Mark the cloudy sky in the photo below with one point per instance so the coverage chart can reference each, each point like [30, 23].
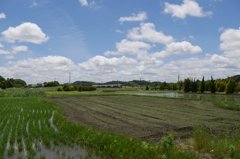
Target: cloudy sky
[104, 40]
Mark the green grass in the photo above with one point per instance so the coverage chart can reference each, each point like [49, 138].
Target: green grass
[20, 92]
[233, 105]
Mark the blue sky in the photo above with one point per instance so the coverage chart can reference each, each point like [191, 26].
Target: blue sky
[119, 39]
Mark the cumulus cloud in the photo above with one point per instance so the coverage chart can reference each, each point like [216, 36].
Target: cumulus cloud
[101, 62]
[83, 2]
[2, 15]
[9, 57]
[26, 32]
[189, 7]
[147, 32]
[129, 47]
[20, 48]
[230, 42]
[39, 69]
[141, 16]
[4, 52]
[178, 48]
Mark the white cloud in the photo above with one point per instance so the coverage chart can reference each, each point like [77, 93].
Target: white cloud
[189, 7]
[230, 42]
[4, 52]
[34, 4]
[220, 29]
[178, 48]
[9, 57]
[119, 31]
[191, 37]
[2, 15]
[40, 69]
[1, 46]
[26, 32]
[129, 47]
[141, 16]
[98, 63]
[147, 32]
[83, 2]
[20, 48]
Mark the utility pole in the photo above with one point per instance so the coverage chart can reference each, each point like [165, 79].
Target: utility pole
[178, 77]
[69, 78]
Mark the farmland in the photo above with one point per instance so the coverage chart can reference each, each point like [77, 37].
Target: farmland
[148, 117]
[27, 131]
[39, 124]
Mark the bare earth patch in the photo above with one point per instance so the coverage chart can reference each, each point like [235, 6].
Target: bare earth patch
[147, 117]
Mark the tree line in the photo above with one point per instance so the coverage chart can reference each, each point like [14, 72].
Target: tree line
[228, 85]
[10, 82]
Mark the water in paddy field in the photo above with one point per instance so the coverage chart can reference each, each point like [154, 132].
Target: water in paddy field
[191, 96]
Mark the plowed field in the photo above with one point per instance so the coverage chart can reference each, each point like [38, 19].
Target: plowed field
[147, 117]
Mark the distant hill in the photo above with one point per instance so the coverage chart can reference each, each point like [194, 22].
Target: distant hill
[236, 78]
[132, 83]
[83, 83]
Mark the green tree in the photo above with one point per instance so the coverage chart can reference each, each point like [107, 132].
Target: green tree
[180, 84]
[19, 83]
[147, 87]
[212, 85]
[202, 85]
[3, 85]
[187, 84]
[9, 82]
[230, 86]
[2, 79]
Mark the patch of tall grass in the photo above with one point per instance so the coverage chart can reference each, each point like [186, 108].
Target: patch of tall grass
[17, 92]
[217, 146]
[233, 105]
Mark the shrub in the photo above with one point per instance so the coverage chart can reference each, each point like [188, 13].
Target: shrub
[230, 86]
[59, 89]
[80, 89]
[147, 87]
[66, 87]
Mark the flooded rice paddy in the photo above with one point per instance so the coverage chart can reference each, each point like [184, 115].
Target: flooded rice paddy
[191, 96]
[27, 131]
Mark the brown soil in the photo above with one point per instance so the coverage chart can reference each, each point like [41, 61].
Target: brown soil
[145, 117]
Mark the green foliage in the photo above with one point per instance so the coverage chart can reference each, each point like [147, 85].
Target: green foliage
[2, 78]
[3, 85]
[230, 86]
[19, 83]
[212, 86]
[194, 85]
[202, 85]
[51, 84]
[167, 142]
[20, 92]
[147, 88]
[83, 83]
[187, 84]
[88, 88]
[220, 86]
[66, 87]
[59, 89]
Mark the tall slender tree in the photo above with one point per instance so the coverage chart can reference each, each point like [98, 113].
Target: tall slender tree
[187, 84]
[212, 86]
[202, 85]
